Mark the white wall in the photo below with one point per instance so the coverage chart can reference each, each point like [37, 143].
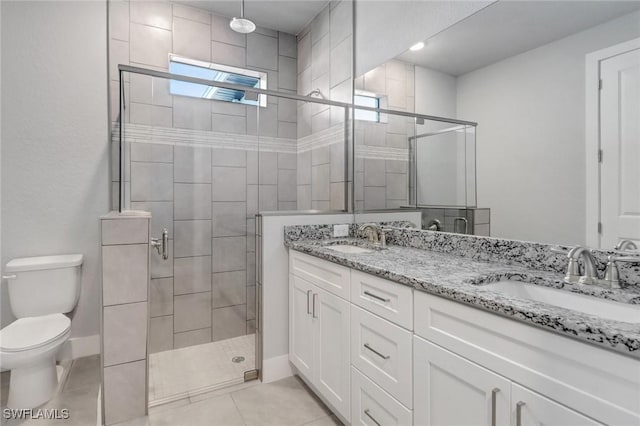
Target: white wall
[55, 179]
[377, 40]
[531, 134]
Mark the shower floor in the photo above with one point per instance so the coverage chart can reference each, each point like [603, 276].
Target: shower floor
[190, 371]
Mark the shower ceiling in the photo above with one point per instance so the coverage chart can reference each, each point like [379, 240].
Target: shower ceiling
[289, 16]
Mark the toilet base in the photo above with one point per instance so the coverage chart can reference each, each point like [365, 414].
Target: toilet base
[33, 385]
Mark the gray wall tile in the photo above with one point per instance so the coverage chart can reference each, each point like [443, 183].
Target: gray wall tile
[229, 322]
[124, 333]
[191, 113]
[320, 182]
[262, 51]
[192, 13]
[192, 164]
[287, 45]
[160, 267]
[192, 238]
[191, 338]
[229, 288]
[268, 198]
[192, 311]
[228, 157]
[160, 334]
[124, 392]
[192, 274]
[192, 201]
[161, 215]
[154, 13]
[228, 54]
[152, 152]
[149, 45]
[287, 185]
[124, 273]
[287, 75]
[229, 254]
[229, 184]
[191, 39]
[151, 182]
[125, 231]
[229, 123]
[161, 294]
[229, 219]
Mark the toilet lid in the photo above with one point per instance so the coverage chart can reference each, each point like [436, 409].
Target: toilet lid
[31, 332]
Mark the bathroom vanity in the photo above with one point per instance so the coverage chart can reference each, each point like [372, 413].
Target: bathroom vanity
[405, 335]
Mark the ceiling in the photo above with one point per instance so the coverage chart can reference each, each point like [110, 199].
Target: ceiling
[289, 16]
[508, 28]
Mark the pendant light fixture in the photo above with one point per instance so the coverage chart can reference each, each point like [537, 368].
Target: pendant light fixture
[241, 24]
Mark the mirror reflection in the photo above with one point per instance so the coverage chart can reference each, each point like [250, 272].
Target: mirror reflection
[554, 88]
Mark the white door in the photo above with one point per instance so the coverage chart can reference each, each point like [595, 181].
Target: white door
[451, 391]
[620, 144]
[332, 375]
[532, 409]
[301, 325]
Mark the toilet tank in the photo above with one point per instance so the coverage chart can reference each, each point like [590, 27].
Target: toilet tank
[44, 285]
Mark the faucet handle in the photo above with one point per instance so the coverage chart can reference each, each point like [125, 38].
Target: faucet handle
[631, 259]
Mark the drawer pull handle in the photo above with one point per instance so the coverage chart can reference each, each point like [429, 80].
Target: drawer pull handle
[308, 302]
[375, 296]
[366, 345]
[314, 305]
[519, 406]
[494, 391]
[368, 413]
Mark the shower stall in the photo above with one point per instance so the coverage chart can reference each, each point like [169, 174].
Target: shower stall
[228, 149]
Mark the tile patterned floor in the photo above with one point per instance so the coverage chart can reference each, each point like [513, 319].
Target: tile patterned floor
[287, 402]
[185, 372]
[78, 393]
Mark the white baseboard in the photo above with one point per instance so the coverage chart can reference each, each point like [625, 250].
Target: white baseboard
[78, 347]
[276, 368]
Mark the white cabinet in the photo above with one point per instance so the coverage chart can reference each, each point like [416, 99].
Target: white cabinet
[449, 390]
[319, 338]
[372, 406]
[382, 351]
[532, 409]
[301, 325]
[331, 349]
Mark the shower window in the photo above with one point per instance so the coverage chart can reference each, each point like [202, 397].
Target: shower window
[367, 100]
[220, 73]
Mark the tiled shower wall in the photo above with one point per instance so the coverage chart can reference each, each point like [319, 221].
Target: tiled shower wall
[197, 165]
[325, 51]
[382, 156]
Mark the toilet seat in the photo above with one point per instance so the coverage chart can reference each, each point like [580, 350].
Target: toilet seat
[33, 332]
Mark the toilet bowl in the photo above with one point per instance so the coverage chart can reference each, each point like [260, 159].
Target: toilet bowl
[41, 291]
[28, 347]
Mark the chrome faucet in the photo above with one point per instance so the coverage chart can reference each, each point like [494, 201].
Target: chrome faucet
[590, 270]
[611, 277]
[371, 230]
[626, 245]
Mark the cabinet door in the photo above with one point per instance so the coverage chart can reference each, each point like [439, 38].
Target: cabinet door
[530, 408]
[452, 391]
[301, 325]
[332, 349]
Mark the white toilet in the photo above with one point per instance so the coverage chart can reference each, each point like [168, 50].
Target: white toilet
[41, 291]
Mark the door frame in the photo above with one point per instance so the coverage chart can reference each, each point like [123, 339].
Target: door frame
[592, 135]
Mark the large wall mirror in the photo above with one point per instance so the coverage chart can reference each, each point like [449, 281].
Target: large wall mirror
[537, 77]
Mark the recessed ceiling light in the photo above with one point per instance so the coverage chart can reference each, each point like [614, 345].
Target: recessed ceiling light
[416, 46]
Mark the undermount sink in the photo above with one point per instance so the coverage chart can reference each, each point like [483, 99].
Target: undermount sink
[578, 302]
[347, 248]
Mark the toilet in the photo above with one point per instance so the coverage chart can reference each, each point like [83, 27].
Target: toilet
[41, 291]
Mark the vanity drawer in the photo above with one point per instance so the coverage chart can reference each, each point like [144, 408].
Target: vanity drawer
[372, 406]
[383, 352]
[326, 275]
[390, 300]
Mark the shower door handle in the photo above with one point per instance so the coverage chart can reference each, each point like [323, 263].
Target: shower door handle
[162, 244]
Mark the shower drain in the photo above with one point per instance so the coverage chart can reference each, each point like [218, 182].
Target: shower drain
[237, 359]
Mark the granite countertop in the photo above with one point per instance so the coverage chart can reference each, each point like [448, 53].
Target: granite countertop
[461, 278]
